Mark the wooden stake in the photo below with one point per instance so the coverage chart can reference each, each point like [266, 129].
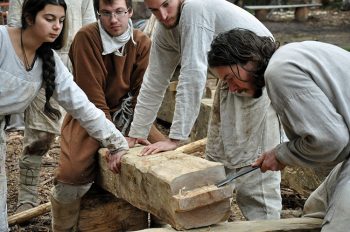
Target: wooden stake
[29, 214]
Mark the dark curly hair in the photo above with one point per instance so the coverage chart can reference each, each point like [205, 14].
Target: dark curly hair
[30, 9]
[239, 46]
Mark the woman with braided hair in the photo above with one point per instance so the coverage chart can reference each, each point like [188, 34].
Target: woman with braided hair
[27, 62]
[38, 127]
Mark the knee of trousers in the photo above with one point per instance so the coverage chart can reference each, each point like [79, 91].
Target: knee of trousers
[67, 193]
[39, 144]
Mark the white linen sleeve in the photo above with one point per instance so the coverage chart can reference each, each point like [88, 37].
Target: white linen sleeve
[195, 43]
[317, 132]
[163, 61]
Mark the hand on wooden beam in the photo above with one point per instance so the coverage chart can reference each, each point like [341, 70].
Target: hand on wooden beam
[165, 145]
[133, 141]
[114, 160]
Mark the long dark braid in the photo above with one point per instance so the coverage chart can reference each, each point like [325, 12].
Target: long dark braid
[49, 74]
[30, 9]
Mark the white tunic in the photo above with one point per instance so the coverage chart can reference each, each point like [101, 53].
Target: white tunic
[19, 87]
[186, 44]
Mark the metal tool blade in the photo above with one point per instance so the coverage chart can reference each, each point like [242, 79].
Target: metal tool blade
[230, 178]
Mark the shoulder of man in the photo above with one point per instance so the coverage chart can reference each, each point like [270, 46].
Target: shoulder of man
[141, 38]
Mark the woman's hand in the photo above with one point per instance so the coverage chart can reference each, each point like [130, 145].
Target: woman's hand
[114, 160]
[133, 141]
[165, 145]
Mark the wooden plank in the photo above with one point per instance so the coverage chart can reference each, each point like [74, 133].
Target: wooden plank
[286, 225]
[270, 7]
[178, 188]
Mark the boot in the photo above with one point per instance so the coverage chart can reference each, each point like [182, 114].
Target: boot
[28, 180]
[36, 143]
[64, 215]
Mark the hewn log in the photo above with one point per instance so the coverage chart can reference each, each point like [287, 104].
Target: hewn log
[166, 110]
[101, 211]
[29, 214]
[177, 188]
[286, 225]
[196, 146]
[302, 180]
[200, 127]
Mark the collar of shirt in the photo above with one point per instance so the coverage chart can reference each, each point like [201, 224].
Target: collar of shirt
[116, 44]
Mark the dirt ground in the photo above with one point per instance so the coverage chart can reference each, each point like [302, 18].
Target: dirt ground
[328, 25]
[331, 26]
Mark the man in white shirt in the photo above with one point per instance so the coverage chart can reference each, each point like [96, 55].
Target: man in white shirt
[182, 37]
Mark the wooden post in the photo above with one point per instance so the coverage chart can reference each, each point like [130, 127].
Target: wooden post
[301, 14]
[261, 14]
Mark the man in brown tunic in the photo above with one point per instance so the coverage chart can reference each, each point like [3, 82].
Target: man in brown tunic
[109, 59]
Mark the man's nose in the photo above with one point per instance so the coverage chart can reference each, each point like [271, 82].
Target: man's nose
[163, 13]
[114, 17]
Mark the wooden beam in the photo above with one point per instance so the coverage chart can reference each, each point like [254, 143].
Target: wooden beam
[269, 7]
[300, 13]
[200, 127]
[282, 225]
[178, 188]
[29, 214]
[196, 146]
